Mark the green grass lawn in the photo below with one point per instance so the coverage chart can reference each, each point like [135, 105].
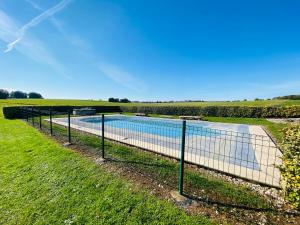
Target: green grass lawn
[44, 183]
[164, 170]
[97, 103]
[275, 129]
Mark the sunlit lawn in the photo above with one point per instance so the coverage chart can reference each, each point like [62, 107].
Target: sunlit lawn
[42, 182]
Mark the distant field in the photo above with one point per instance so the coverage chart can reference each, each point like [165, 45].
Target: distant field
[70, 102]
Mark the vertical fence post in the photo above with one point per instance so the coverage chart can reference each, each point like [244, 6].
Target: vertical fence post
[32, 116]
[69, 127]
[181, 172]
[103, 136]
[27, 118]
[50, 119]
[40, 119]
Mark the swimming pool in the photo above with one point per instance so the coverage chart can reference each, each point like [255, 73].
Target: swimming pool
[242, 150]
[160, 127]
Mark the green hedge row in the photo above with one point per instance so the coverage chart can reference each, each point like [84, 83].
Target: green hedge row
[220, 111]
[16, 112]
[12, 112]
[291, 164]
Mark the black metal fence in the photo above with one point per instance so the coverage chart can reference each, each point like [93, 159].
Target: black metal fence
[170, 151]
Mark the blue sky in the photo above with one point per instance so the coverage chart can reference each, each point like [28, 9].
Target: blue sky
[151, 50]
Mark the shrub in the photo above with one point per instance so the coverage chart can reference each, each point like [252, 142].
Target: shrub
[124, 100]
[290, 97]
[34, 95]
[113, 100]
[16, 112]
[4, 94]
[18, 94]
[220, 111]
[291, 164]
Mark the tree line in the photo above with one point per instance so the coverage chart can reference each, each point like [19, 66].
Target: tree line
[290, 97]
[4, 94]
[122, 100]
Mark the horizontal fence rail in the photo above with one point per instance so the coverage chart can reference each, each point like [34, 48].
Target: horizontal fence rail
[251, 156]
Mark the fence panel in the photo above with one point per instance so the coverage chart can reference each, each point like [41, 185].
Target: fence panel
[248, 156]
[153, 146]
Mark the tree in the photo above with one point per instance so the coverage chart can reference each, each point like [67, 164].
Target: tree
[113, 100]
[34, 95]
[4, 94]
[124, 100]
[18, 94]
[258, 99]
[290, 97]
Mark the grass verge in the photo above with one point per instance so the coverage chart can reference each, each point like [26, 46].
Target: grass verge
[44, 183]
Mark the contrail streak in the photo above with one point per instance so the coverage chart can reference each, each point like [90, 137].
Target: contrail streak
[35, 21]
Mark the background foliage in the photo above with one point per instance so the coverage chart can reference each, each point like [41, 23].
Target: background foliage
[219, 111]
[291, 164]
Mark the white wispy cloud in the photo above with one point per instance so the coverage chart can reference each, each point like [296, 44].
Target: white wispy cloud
[30, 46]
[112, 71]
[35, 21]
[72, 39]
[122, 77]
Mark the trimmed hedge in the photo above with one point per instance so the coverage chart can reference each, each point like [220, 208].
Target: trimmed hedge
[15, 112]
[291, 164]
[220, 111]
[12, 112]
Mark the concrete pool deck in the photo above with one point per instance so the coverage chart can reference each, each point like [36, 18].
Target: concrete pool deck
[253, 156]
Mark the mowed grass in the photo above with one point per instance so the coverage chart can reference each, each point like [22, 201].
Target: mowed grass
[166, 171]
[43, 183]
[274, 129]
[52, 102]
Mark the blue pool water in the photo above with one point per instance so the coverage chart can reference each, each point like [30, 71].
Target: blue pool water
[224, 142]
[165, 128]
